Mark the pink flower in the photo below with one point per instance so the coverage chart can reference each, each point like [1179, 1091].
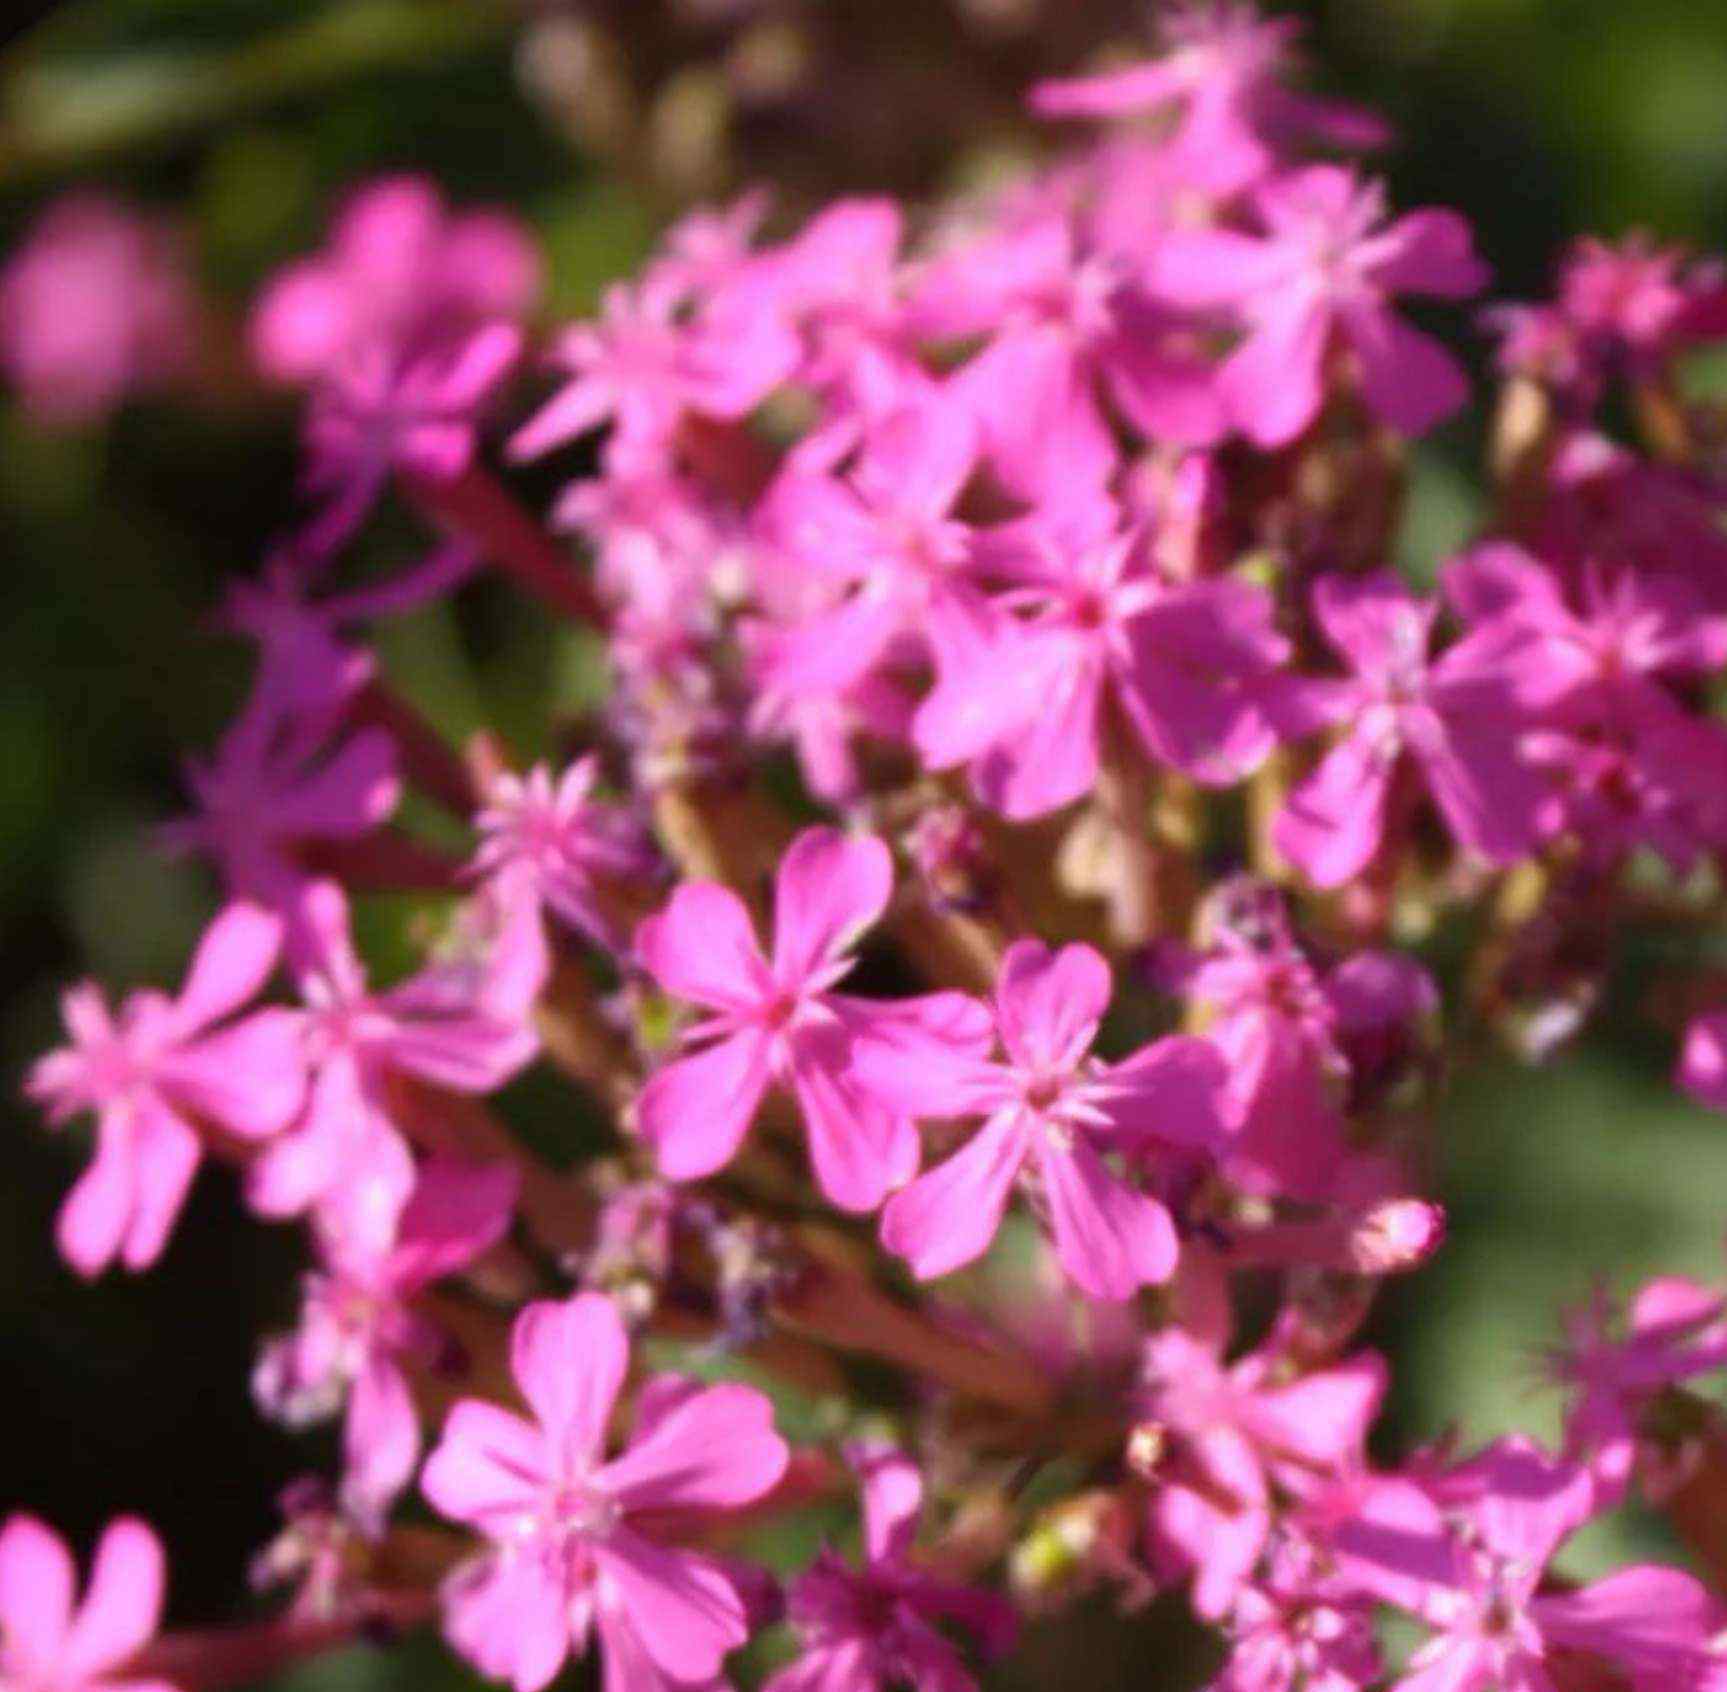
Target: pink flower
[709, 247]
[159, 1076]
[51, 1643]
[402, 328]
[1021, 698]
[1299, 1630]
[1054, 1108]
[463, 1025]
[552, 839]
[1599, 659]
[1229, 1435]
[1324, 274]
[1619, 1365]
[1607, 502]
[573, 1537]
[1454, 718]
[1298, 1042]
[378, 411]
[644, 369]
[882, 544]
[779, 1022]
[358, 1326]
[1598, 646]
[1703, 1062]
[290, 771]
[1495, 1627]
[1069, 330]
[875, 1627]
[401, 272]
[1625, 309]
[1224, 70]
[95, 305]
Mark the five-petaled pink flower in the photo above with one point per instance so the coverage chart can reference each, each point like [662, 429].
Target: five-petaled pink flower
[1451, 718]
[573, 1537]
[159, 1075]
[359, 1325]
[1223, 75]
[1233, 1435]
[778, 1021]
[548, 838]
[879, 1626]
[1050, 1106]
[1322, 276]
[462, 1025]
[97, 303]
[1501, 1517]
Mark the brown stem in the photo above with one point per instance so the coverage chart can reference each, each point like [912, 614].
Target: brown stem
[833, 1302]
[1698, 1507]
[580, 1042]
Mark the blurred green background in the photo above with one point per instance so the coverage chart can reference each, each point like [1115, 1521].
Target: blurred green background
[1539, 118]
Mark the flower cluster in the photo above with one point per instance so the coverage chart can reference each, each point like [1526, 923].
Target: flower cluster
[986, 911]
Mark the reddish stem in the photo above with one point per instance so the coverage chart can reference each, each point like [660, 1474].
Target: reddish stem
[214, 1659]
[434, 767]
[478, 507]
[386, 861]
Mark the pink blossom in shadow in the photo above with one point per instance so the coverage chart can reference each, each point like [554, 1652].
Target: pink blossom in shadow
[160, 1075]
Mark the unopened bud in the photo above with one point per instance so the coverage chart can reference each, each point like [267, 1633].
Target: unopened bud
[1146, 1446]
[1396, 1236]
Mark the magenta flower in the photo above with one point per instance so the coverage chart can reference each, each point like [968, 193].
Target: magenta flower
[642, 367]
[159, 1077]
[1623, 309]
[1454, 719]
[1025, 681]
[1322, 276]
[875, 1627]
[548, 837]
[1223, 73]
[1276, 1021]
[1231, 1434]
[1599, 659]
[882, 542]
[1599, 647]
[379, 411]
[778, 1022]
[1619, 1366]
[290, 771]
[573, 1537]
[463, 1025]
[1070, 331]
[51, 1643]
[400, 271]
[95, 305]
[1496, 1629]
[358, 1326]
[1299, 1629]
[1052, 1109]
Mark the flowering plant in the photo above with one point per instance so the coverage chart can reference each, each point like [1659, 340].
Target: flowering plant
[987, 916]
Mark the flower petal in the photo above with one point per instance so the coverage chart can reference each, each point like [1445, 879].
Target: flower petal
[685, 1610]
[696, 1110]
[713, 1450]
[123, 1603]
[830, 888]
[569, 1359]
[948, 1215]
